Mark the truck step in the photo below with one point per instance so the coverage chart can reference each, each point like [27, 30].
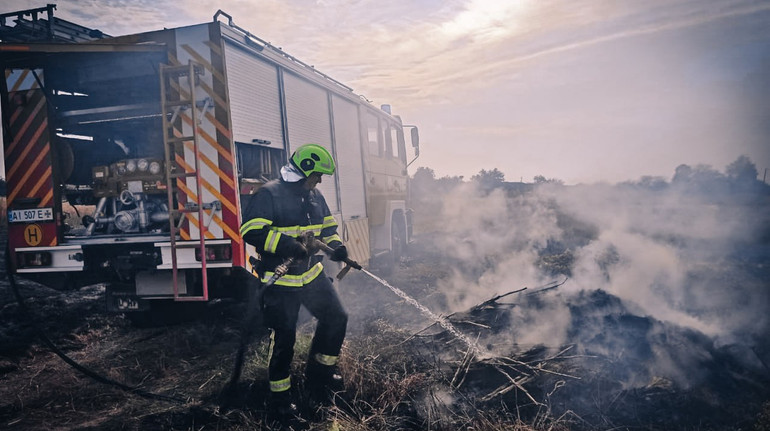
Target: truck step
[175, 103]
[188, 210]
[182, 175]
[181, 70]
[177, 139]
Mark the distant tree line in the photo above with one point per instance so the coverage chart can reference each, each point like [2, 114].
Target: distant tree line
[425, 179]
[740, 176]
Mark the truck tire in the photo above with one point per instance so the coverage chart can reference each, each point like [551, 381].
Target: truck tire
[398, 239]
[398, 245]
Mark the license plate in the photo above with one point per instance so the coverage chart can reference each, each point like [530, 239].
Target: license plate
[126, 304]
[30, 215]
[118, 303]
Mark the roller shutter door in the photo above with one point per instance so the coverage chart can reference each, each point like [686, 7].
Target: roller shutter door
[308, 121]
[255, 106]
[347, 136]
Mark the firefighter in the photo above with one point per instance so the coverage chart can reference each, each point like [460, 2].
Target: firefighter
[276, 221]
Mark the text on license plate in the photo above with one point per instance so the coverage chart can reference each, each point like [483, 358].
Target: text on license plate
[32, 214]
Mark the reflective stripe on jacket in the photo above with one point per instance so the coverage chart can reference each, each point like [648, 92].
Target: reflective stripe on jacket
[278, 214]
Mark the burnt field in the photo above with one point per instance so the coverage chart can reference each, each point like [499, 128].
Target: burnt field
[586, 308]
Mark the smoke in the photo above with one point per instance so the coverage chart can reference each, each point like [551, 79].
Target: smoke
[672, 257]
[666, 249]
[493, 237]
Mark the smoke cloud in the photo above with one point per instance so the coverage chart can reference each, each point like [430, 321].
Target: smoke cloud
[674, 257]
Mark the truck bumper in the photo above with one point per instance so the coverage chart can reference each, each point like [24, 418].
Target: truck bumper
[48, 259]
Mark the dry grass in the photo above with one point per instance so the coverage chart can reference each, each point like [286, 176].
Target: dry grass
[389, 386]
[395, 379]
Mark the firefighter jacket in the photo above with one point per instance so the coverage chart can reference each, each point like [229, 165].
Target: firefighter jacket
[279, 213]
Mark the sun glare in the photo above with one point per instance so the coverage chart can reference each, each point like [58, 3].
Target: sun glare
[486, 19]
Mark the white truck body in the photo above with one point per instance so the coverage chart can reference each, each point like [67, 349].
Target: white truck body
[112, 175]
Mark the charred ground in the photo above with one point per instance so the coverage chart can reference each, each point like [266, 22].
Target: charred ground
[606, 365]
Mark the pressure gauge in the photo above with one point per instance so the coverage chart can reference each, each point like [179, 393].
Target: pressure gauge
[131, 165]
[155, 167]
[142, 164]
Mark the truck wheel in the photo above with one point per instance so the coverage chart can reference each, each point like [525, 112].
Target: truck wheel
[398, 240]
[398, 244]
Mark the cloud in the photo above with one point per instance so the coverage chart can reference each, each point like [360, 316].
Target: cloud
[602, 82]
[120, 17]
[484, 21]
[411, 53]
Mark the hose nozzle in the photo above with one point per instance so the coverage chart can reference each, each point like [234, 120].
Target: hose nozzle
[349, 263]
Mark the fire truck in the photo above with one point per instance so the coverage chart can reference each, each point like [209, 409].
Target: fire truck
[129, 159]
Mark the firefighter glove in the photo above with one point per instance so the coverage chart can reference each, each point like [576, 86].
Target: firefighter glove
[339, 254]
[297, 250]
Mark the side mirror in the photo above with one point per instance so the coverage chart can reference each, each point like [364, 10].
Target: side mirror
[415, 134]
[416, 141]
[415, 137]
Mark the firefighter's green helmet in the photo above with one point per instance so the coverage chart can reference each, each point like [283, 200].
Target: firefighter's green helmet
[311, 158]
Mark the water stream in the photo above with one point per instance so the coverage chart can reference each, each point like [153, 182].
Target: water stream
[431, 315]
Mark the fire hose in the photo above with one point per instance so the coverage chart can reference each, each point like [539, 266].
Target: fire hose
[253, 307]
[255, 294]
[312, 244]
[71, 362]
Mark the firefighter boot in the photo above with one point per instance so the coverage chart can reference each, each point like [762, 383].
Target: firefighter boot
[323, 381]
[282, 407]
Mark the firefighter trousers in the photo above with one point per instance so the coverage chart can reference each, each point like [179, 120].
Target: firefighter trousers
[281, 311]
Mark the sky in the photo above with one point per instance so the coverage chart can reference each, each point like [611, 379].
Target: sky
[584, 91]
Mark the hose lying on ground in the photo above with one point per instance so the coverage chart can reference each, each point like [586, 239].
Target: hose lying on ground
[71, 362]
